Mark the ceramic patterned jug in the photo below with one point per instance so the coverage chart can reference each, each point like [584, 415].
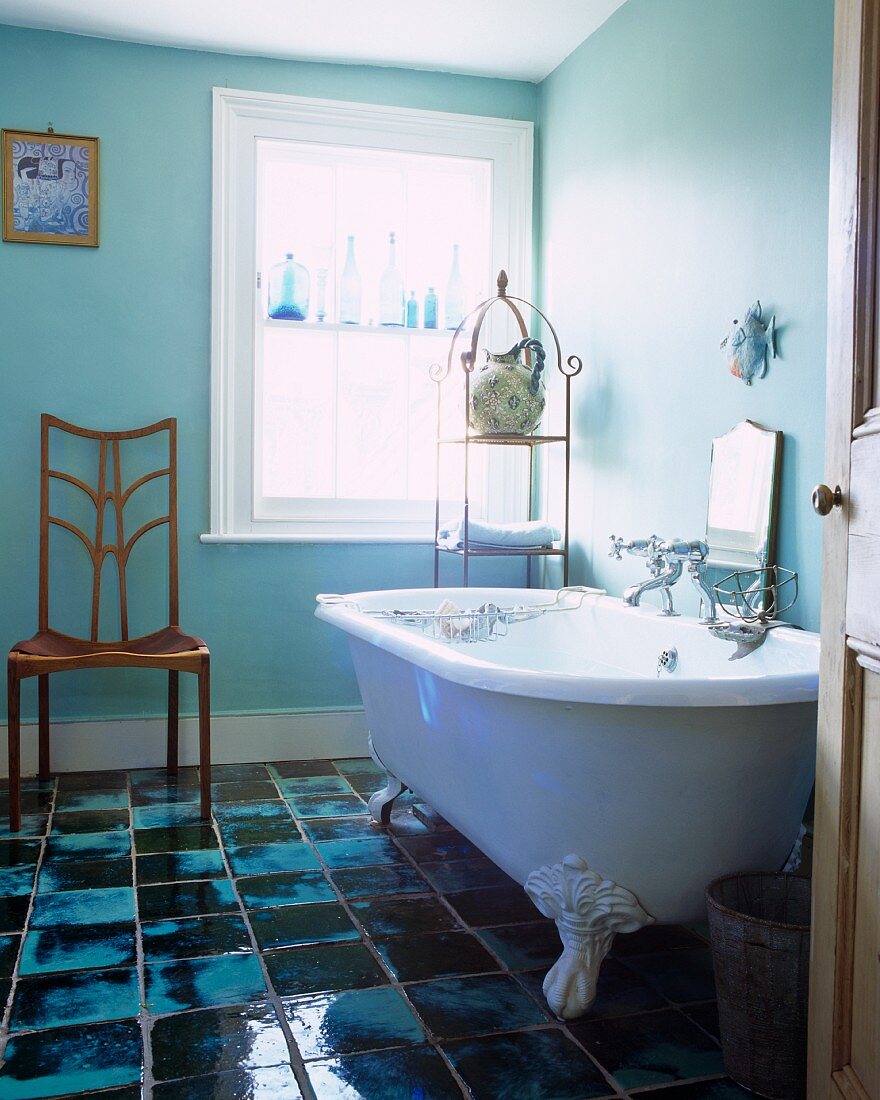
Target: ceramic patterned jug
[508, 398]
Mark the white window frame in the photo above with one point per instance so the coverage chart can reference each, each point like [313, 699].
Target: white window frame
[240, 118]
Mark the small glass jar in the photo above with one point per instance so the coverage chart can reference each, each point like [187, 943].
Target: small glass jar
[289, 285]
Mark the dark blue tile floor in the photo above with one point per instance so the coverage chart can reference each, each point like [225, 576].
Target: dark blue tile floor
[292, 949]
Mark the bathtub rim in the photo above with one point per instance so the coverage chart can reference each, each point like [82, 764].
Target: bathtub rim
[455, 664]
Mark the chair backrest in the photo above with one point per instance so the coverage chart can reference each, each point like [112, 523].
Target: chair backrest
[102, 493]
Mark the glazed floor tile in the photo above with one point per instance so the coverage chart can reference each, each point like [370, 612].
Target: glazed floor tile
[543, 1065]
[368, 882]
[258, 859]
[353, 1020]
[186, 899]
[650, 1049]
[285, 888]
[700, 1090]
[385, 1075]
[83, 907]
[314, 785]
[215, 1040]
[199, 983]
[69, 1060]
[274, 1083]
[90, 874]
[359, 827]
[324, 968]
[174, 838]
[441, 955]
[471, 1006]
[77, 948]
[57, 1000]
[195, 936]
[9, 948]
[300, 924]
[290, 947]
[180, 866]
[359, 853]
[259, 830]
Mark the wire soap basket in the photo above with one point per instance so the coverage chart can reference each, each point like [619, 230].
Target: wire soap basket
[758, 595]
[486, 623]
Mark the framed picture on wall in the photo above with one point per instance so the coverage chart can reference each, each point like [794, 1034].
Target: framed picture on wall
[50, 188]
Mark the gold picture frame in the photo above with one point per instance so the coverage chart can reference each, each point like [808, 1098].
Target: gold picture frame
[50, 188]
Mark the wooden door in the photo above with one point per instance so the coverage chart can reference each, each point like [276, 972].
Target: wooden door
[844, 1041]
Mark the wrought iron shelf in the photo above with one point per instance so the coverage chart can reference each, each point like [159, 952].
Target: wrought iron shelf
[506, 551]
[508, 440]
[463, 349]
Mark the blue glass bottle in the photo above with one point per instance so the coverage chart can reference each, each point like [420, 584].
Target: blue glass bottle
[430, 308]
[412, 311]
[289, 285]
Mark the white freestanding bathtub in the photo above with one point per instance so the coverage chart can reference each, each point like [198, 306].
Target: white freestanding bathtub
[612, 791]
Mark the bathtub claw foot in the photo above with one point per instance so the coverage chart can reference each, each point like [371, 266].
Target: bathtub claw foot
[589, 911]
[382, 802]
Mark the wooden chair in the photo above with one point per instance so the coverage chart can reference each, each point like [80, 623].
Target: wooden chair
[49, 651]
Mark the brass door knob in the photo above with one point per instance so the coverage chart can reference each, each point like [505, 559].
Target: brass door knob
[825, 499]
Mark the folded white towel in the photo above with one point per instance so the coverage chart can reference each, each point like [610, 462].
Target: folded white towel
[528, 535]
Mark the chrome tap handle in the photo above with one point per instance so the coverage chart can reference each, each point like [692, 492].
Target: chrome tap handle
[641, 548]
[695, 551]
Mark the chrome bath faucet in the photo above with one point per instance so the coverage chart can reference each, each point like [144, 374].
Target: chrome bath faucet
[666, 561]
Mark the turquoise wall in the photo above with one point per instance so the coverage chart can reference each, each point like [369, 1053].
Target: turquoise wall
[120, 336]
[684, 151]
[683, 157]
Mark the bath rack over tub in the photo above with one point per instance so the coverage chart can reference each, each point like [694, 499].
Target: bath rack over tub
[449, 623]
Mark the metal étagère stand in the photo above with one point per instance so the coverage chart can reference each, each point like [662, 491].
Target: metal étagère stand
[568, 368]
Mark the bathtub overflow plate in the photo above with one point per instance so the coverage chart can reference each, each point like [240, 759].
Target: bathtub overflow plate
[667, 661]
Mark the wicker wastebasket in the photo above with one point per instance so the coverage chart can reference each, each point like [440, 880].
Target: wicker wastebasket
[760, 932]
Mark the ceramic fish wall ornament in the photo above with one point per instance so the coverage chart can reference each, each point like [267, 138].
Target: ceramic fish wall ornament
[747, 345]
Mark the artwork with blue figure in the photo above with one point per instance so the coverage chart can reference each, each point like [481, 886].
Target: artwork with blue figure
[747, 345]
[50, 187]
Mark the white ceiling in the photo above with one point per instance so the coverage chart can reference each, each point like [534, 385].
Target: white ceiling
[518, 39]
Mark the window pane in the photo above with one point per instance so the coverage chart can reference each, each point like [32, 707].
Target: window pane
[370, 205]
[297, 215]
[372, 417]
[349, 414]
[296, 438]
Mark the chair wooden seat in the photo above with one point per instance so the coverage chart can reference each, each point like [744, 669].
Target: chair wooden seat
[49, 650]
[155, 648]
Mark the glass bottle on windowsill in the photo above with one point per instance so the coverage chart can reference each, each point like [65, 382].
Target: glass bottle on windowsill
[350, 289]
[454, 309]
[391, 301]
[289, 284]
[412, 311]
[430, 308]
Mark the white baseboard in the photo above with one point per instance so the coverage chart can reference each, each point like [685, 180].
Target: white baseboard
[140, 742]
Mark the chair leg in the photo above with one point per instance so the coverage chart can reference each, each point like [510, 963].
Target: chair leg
[14, 741]
[173, 678]
[45, 751]
[205, 738]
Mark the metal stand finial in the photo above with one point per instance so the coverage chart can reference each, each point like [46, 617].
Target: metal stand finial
[502, 283]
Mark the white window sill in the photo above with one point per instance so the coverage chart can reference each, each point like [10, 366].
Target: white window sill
[316, 538]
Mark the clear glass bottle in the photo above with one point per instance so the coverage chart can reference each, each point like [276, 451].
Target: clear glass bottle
[431, 308]
[454, 306]
[289, 284]
[391, 300]
[350, 289]
[412, 311]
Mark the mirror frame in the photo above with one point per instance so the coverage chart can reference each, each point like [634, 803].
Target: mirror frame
[732, 549]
